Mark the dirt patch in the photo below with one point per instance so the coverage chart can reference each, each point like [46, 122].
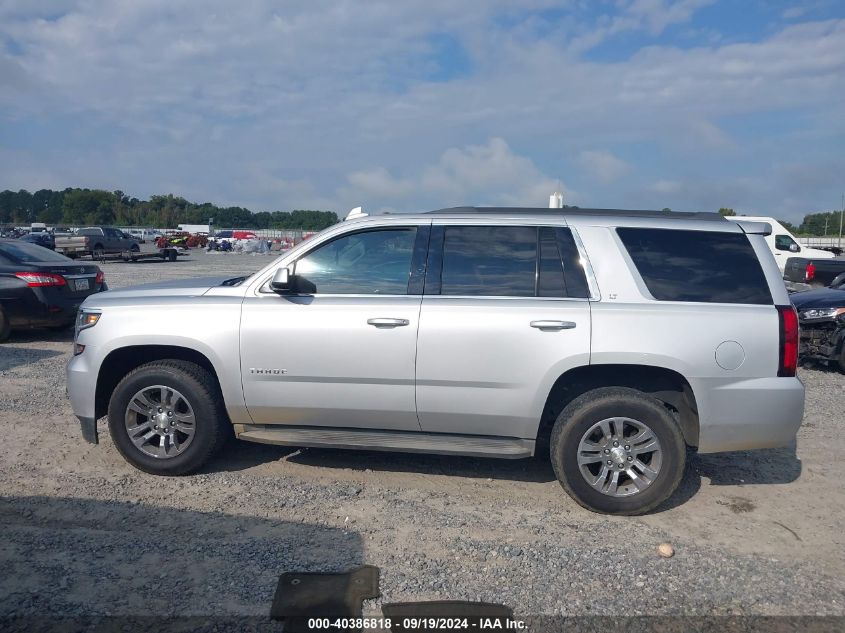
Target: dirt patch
[738, 505]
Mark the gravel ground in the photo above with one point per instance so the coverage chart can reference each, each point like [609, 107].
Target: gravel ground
[757, 533]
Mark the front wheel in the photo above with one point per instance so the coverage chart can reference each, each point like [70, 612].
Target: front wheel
[167, 417]
[617, 450]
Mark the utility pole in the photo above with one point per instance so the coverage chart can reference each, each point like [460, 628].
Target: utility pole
[841, 213]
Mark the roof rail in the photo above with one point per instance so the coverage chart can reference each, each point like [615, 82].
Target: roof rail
[678, 215]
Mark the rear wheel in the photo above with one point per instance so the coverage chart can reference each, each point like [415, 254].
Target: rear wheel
[618, 451]
[840, 363]
[167, 417]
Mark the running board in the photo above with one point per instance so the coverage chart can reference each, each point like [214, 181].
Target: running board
[370, 440]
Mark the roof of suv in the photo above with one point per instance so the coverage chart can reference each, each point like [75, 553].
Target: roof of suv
[700, 221]
[570, 211]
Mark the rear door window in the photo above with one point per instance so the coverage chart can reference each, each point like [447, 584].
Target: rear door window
[505, 261]
[498, 261]
[700, 266]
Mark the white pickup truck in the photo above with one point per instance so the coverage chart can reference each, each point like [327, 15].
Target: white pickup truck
[782, 243]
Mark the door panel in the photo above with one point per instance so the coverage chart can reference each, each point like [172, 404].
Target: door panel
[315, 360]
[499, 323]
[343, 354]
[483, 369]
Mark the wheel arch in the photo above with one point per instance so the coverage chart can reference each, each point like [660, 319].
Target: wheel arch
[667, 385]
[122, 360]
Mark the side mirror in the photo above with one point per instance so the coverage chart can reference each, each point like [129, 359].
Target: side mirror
[794, 248]
[283, 281]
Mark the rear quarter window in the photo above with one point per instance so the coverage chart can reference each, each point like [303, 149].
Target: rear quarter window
[699, 266]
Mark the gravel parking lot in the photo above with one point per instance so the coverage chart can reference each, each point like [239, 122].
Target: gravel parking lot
[85, 533]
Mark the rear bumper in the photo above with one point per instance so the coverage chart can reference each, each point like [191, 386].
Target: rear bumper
[748, 414]
[39, 308]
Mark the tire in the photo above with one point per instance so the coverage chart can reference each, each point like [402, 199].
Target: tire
[5, 326]
[840, 363]
[642, 413]
[198, 394]
[135, 249]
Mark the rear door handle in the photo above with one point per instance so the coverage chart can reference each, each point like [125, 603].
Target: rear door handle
[388, 322]
[553, 325]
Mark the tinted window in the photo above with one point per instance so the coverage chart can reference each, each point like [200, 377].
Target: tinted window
[370, 262]
[573, 266]
[550, 282]
[489, 261]
[679, 265]
[23, 252]
[783, 242]
[561, 271]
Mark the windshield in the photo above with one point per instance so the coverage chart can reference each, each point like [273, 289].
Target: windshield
[24, 252]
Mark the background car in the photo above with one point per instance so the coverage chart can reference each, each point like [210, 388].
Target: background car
[821, 314]
[41, 288]
[42, 238]
[10, 233]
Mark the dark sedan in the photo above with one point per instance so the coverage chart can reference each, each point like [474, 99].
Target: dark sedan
[43, 238]
[821, 314]
[41, 288]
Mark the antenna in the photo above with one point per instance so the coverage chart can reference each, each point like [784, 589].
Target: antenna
[357, 212]
[556, 199]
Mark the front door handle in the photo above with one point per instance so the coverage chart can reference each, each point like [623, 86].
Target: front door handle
[553, 325]
[388, 322]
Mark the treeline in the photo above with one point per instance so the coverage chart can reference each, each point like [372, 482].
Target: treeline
[75, 207]
[818, 224]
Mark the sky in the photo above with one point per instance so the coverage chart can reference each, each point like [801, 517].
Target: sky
[405, 105]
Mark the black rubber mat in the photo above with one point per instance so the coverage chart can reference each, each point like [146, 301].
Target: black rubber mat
[446, 615]
[303, 595]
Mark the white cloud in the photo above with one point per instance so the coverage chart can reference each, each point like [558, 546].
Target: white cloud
[653, 16]
[490, 174]
[666, 186]
[603, 165]
[657, 15]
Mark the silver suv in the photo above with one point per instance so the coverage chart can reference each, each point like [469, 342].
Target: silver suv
[610, 341]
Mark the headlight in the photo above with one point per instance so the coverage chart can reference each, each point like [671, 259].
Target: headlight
[84, 320]
[822, 313]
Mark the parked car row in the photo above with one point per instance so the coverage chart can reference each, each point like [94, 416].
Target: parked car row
[97, 241]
